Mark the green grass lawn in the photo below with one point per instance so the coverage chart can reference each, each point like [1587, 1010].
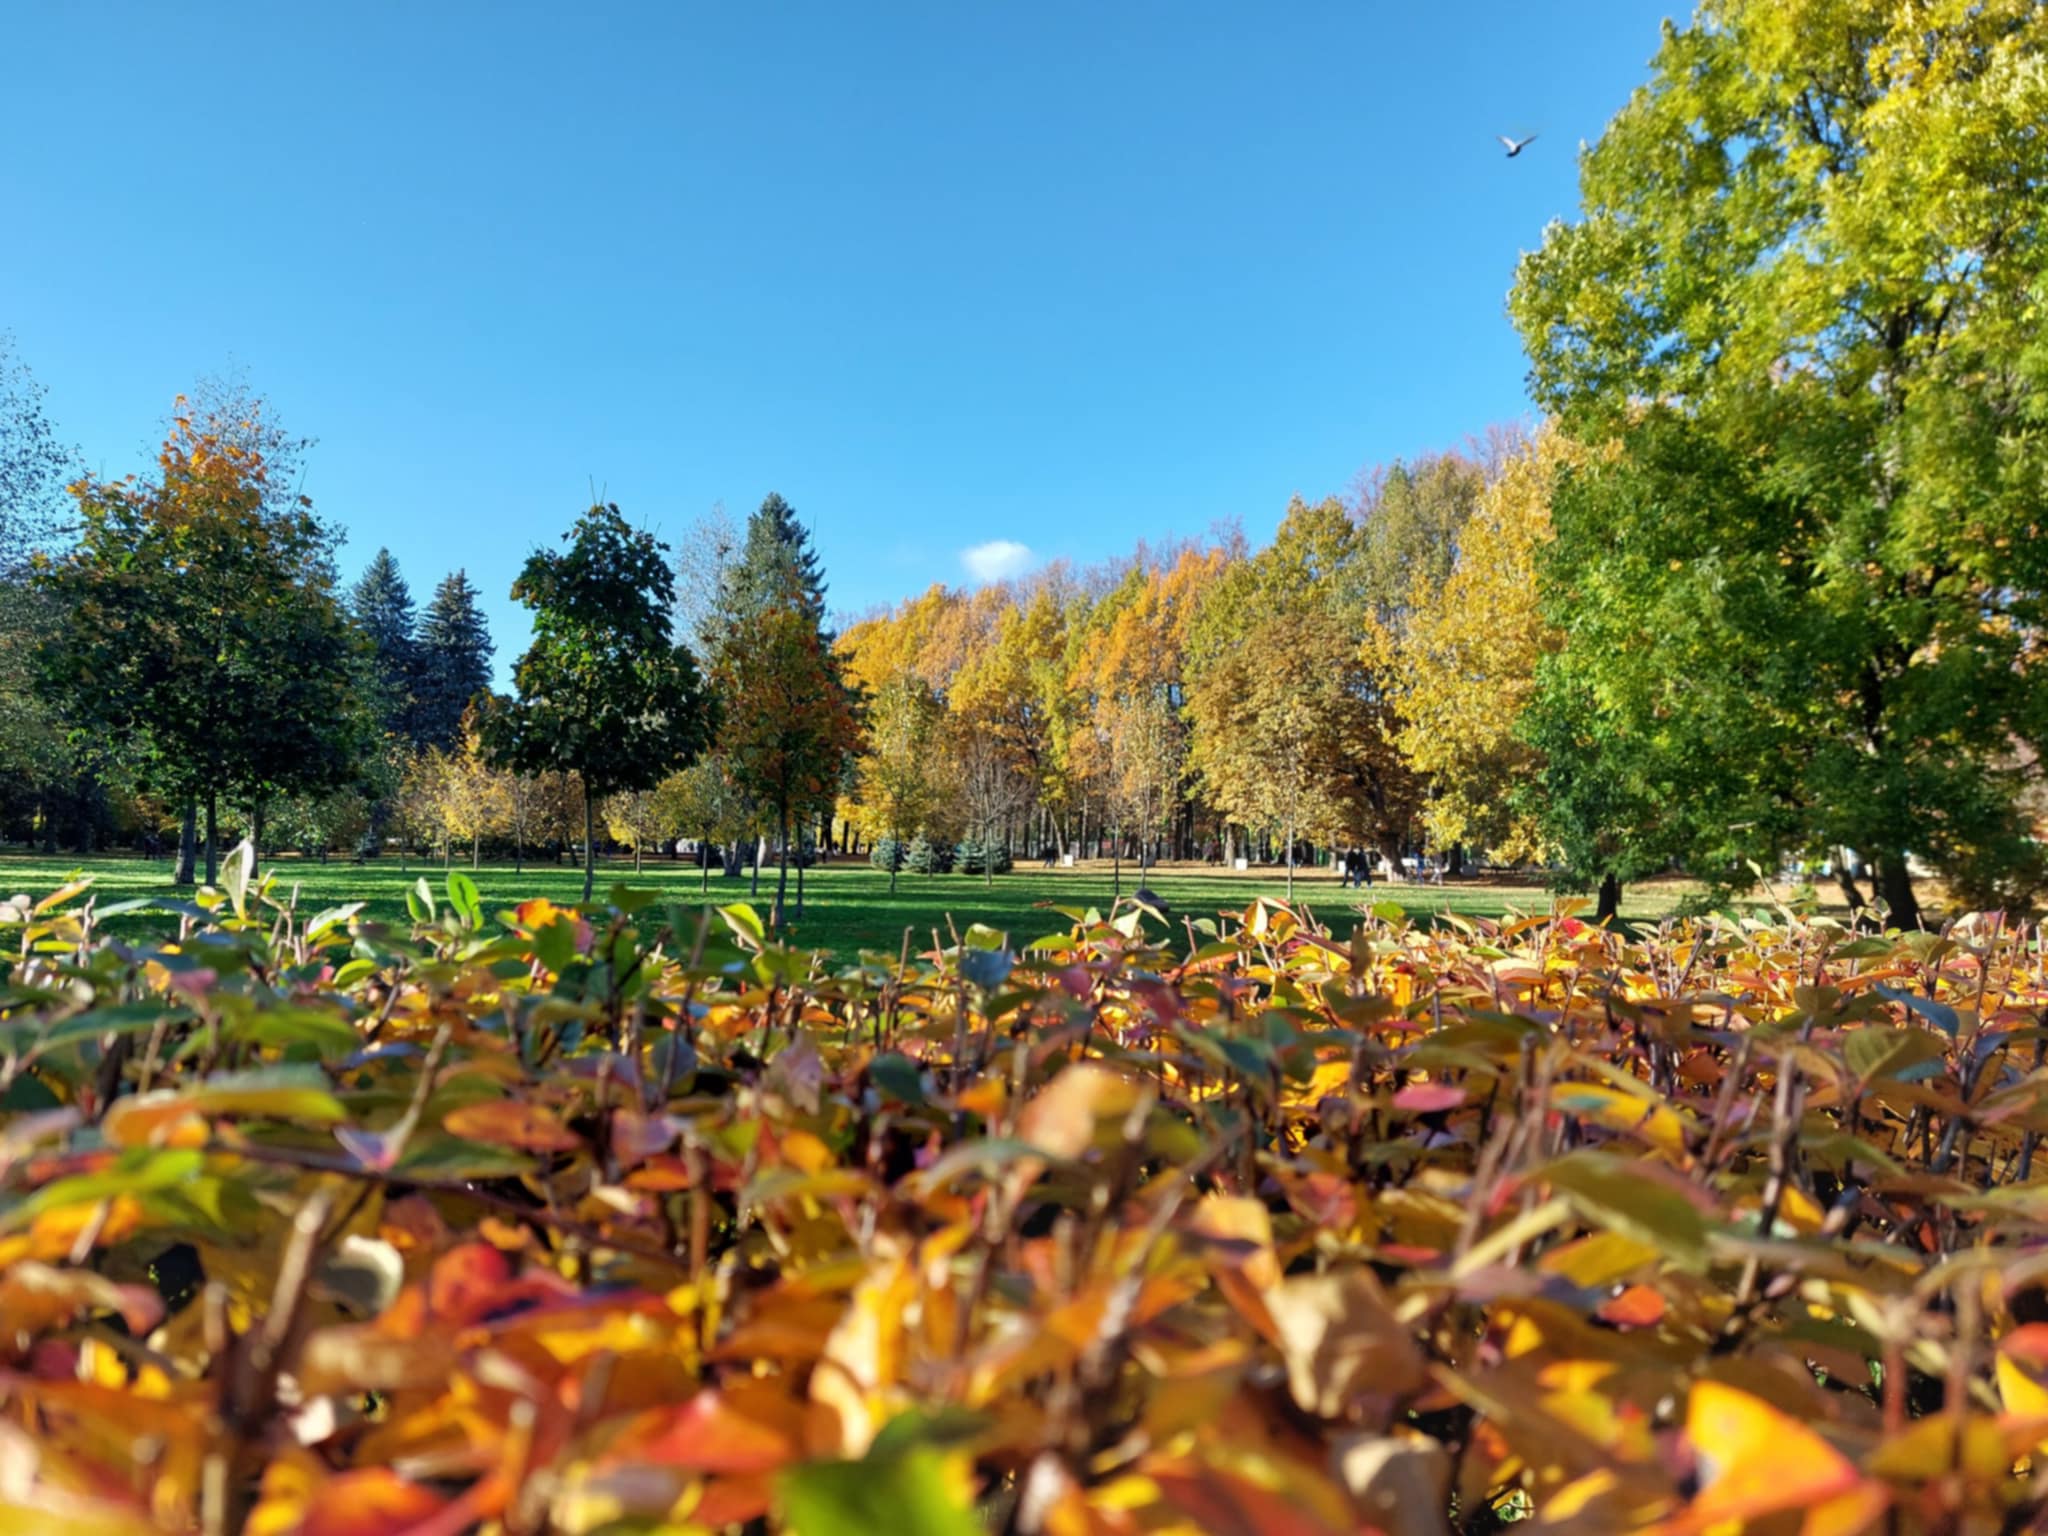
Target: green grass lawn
[848, 905]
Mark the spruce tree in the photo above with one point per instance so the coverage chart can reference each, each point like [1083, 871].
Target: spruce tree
[776, 567]
[454, 661]
[381, 605]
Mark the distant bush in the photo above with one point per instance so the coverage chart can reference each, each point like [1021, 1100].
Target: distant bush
[887, 854]
[926, 857]
[973, 858]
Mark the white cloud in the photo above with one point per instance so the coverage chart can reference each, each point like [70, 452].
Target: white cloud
[997, 560]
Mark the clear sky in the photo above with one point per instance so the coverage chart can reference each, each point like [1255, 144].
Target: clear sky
[1062, 273]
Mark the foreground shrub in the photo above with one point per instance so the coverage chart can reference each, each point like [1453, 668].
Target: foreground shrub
[627, 1220]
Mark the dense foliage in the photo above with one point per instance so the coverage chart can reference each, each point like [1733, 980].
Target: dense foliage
[575, 1221]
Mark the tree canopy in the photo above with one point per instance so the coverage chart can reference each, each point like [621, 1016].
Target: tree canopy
[604, 692]
[1807, 268]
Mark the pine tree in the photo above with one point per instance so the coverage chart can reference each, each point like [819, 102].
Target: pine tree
[777, 566]
[454, 661]
[381, 605]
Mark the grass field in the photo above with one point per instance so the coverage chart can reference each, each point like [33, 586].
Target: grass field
[848, 905]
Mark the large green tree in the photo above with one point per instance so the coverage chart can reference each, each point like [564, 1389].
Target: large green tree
[198, 628]
[453, 661]
[1809, 266]
[605, 691]
[381, 604]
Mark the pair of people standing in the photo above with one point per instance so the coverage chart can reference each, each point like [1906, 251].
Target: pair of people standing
[1354, 867]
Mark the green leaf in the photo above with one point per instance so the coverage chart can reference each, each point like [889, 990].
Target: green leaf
[1884, 1050]
[121, 1019]
[745, 921]
[138, 1171]
[898, 1077]
[1615, 1194]
[905, 1494]
[463, 897]
[235, 874]
[328, 1033]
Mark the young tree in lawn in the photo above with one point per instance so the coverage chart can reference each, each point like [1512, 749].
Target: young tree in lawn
[630, 817]
[1815, 239]
[200, 630]
[471, 799]
[453, 661]
[703, 803]
[604, 692]
[789, 723]
[898, 771]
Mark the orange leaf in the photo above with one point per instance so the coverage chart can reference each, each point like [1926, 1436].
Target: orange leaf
[369, 1502]
[511, 1123]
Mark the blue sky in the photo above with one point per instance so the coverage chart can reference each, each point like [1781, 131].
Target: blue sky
[1060, 274]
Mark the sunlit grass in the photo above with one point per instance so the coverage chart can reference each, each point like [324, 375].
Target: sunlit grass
[848, 906]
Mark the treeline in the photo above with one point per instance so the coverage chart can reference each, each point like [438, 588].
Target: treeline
[1770, 583]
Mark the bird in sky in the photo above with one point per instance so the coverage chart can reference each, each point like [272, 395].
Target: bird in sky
[1515, 146]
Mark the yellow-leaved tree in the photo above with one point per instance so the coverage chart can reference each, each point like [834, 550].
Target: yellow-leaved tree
[1462, 667]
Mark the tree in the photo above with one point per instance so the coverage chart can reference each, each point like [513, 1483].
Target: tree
[1461, 667]
[1809, 257]
[604, 691]
[897, 774]
[702, 802]
[471, 798]
[381, 605]
[33, 465]
[1412, 517]
[776, 565]
[788, 722]
[789, 718]
[36, 757]
[198, 625]
[454, 661]
[631, 817]
[1292, 729]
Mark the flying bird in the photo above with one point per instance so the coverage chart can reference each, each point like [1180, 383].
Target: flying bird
[1515, 146]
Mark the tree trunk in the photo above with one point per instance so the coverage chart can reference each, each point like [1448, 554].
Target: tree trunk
[799, 884]
[637, 841]
[782, 874]
[188, 843]
[1116, 864]
[518, 851]
[704, 865]
[256, 837]
[1895, 885]
[212, 847]
[589, 846]
[476, 842]
[1609, 906]
[1845, 879]
[760, 852]
[1456, 866]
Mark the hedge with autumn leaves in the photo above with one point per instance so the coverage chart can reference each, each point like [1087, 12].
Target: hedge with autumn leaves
[626, 1220]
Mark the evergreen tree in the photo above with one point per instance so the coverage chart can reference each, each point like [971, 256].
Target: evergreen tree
[381, 605]
[454, 650]
[776, 567]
